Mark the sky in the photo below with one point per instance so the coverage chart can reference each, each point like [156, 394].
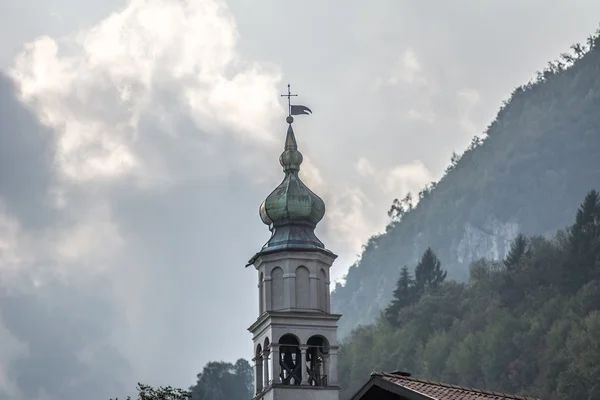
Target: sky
[138, 138]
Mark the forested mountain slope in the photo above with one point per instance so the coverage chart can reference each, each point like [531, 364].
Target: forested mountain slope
[526, 174]
[528, 324]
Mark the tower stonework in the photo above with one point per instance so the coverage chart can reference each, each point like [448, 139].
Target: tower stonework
[295, 341]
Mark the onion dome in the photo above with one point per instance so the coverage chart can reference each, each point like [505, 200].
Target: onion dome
[292, 211]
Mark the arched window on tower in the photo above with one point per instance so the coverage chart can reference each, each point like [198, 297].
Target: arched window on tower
[261, 293]
[317, 360]
[289, 360]
[266, 359]
[323, 289]
[258, 370]
[302, 287]
[277, 288]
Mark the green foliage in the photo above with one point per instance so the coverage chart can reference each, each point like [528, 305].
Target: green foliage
[224, 381]
[526, 172]
[519, 248]
[217, 381]
[428, 277]
[518, 326]
[584, 242]
[146, 392]
[404, 295]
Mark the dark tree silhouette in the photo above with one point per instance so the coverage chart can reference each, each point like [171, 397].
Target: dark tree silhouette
[224, 381]
[400, 208]
[428, 272]
[404, 295]
[519, 248]
[584, 243]
[146, 392]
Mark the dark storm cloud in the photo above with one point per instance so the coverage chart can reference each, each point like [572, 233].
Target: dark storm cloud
[177, 246]
[65, 330]
[26, 158]
[64, 325]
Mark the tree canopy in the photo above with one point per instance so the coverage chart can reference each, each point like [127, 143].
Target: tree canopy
[217, 381]
[224, 381]
[516, 326]
[147, 392]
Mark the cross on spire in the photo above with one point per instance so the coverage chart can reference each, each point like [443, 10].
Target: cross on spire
[289, 95]
[294, 109]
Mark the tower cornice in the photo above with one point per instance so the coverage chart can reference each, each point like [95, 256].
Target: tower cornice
[285, 317]
[292, 253]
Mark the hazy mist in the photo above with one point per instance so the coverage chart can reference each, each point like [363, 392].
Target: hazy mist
[138, 138]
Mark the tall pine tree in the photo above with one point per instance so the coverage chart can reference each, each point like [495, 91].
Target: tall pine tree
[428, 272]
[519, 248]
[403, 296]
[584, 243]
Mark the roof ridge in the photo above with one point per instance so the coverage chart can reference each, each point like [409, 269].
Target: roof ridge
[458, 387]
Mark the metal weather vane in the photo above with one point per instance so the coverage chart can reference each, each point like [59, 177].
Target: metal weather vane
[294, 109]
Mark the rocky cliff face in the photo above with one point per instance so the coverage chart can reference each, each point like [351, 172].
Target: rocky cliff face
[538, 159]
[373, 291]
[492, 241]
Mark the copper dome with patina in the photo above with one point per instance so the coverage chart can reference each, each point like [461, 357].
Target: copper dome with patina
[292, 211]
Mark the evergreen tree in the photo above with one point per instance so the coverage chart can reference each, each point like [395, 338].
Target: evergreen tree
[519, 248]
[403, 296]
[584, 243]
[428, 272]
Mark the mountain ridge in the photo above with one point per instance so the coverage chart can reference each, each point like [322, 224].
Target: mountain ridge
[536, 161]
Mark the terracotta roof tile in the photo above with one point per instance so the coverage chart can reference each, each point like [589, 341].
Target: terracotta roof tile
[445, 391]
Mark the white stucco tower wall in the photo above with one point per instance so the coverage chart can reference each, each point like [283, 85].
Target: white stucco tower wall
[297, 304]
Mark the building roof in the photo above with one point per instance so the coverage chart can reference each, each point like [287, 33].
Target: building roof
[404, 385]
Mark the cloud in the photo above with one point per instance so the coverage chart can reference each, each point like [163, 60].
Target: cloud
[470, 96]
[407, 70]
[47, 318]
[469, 100]
[68, 355]
[425, 115]
[81, 242]
[96, 87]
[401, 178]
[15, 252]
[365, 168]
[12, 348]
[137, 113]
[348, 216]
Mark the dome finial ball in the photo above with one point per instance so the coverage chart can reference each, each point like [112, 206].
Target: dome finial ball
[289, 119]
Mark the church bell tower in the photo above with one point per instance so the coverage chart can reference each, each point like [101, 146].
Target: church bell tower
[295, 343]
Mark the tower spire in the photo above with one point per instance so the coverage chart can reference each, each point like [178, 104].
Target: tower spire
[292, 211]
[295, 343]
